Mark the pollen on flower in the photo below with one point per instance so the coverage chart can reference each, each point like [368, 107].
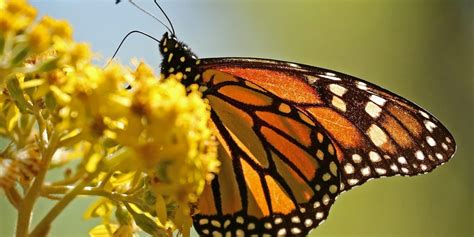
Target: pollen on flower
[6, 22]
[39, 38]
[80, 53]
[15, 15]
[57, 28]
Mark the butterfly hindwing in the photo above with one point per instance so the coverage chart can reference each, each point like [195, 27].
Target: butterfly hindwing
[279, 171]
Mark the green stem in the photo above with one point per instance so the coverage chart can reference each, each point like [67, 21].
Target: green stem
[42, 228]
[70, 141]
[13, 196]
[26, 207]
[106, 179]
[70, 180]
[93, 191]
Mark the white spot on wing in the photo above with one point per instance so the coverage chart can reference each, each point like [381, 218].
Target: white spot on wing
[337, 89]
[380, 171]
[331, 76]
[356, 158]
[326, 199]
[376, 134]
[353, 181]
[362, 86]
[267, 225]
[216, 223]
[372, 109]
[311, 79]
[293, 65]
[251, 226]
[430, 141]
[295, 230]
[419, 155]
[402, 160]
[339, 103]
[429, 125]
[424, 114]
[378, 100]
[365, 171]
[349, 168]
[374, 156]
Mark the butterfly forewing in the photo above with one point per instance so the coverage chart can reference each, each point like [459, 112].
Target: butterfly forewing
[375, 132]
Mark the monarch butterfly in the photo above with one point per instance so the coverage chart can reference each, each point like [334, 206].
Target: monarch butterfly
[293, 137]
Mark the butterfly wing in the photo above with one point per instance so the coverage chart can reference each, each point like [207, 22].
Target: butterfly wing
[279, 172]
[273, 117]
[376, 133]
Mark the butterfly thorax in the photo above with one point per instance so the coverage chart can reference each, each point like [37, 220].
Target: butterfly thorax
[178, 58]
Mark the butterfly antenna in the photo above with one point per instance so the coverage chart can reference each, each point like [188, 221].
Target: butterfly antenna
[167, 18]
[125, 37]
[153, 16]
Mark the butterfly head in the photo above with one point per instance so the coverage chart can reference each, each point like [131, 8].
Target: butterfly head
[178, 58]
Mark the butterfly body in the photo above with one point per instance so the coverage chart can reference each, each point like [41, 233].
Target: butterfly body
[292, 137]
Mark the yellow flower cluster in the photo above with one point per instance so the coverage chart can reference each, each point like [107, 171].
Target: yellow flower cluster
[147, 150]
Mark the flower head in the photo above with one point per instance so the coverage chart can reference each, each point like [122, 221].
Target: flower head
[148, 150]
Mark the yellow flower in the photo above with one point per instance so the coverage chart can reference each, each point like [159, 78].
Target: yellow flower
[6, 22]
[80, 53]
[20, 7]
[151, 143]
[103, 230]
[143, 71]
[15, 15]
[39, 38]
[57, 28]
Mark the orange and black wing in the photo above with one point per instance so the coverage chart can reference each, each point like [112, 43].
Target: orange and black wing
[281, 127]
[279, 172]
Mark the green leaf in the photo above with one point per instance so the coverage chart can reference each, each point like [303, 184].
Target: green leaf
[145, 223]
[50, 101]
[48, 65]
[13, 86]
[123, 216]
[2, 44]
[20, 56]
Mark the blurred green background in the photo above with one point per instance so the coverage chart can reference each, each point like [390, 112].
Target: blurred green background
[422, 50]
